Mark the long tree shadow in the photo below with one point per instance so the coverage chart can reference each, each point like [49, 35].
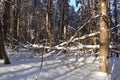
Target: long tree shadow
[115, 68]
[52, 69]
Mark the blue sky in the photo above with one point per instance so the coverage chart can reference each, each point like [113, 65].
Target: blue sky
[73, 3]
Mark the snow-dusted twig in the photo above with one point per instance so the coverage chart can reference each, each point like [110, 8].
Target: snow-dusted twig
[93, 17]
[115, 27]
[73, 47]
[17, 41]
[85, 36]
[116, 51]
[81, 46]
[72, 39]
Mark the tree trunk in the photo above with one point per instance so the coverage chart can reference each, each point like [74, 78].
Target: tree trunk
[2, 49]
[116, 22]
[104, 36]
[64, 19]
[6, 19]
[28, 23]
[94, 23]
[48, 23]
[17, 24]
[115, 12]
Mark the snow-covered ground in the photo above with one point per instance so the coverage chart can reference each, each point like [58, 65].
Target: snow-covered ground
[25, 66]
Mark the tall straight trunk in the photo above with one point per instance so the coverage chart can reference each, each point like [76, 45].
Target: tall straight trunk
[110, 36]
[18, 16]
[89, 13]
[33, 28]
[48, 23]
[11, 23]
[93, 7]
[2, 49]
[28, 22]
[94, 22]
[6, 19]
[83, 11]
[115, 16]
[104, 37]
[115, 11]
[88, 16]
[17, 24]
[64, 19]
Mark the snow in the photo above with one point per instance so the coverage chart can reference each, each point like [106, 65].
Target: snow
[115, 68]
[24, 66]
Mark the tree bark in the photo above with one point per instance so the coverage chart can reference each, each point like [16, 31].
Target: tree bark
[104, 37]
[115, 11]
[94, 23]
[64, 19]
[6, 19]
[115, 16]
[48, 23]
[2, 49]
[17, 24]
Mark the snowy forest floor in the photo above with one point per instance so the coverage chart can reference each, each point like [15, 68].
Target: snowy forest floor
[26, 65]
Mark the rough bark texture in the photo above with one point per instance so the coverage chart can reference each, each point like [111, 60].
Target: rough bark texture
[104, 36]
[2, 50]
[6, 19]
[17, 24]
[48, 23]
[116, 21]
[94, 23]
[64, 19]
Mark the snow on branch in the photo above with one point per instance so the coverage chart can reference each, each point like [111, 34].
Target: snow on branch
[115, 27]
[85, 36]
[72, 47]
[93, 17]
[62, 45]
[93, 34]
[116, 51]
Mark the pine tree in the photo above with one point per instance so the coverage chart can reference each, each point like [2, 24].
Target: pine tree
[104, 36]
[2, 49]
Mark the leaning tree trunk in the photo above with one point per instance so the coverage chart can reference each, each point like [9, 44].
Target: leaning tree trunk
[2, 49]
[104, 36]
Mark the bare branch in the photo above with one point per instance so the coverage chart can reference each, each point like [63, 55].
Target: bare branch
[93, 17]
[73, 47]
